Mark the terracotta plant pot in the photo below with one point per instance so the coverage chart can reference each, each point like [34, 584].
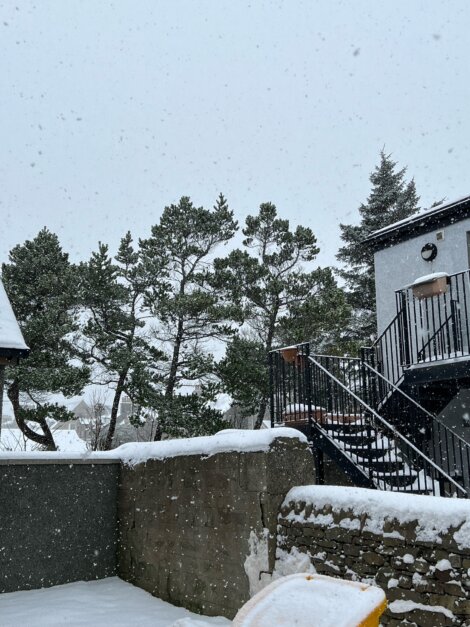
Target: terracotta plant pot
[289, 355]
[432, 288]
[300, 415]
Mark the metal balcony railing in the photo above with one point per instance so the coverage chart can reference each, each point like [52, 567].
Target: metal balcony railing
[340, 403]
[436, 327]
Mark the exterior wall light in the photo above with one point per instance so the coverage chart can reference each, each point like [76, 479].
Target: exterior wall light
[429, 252]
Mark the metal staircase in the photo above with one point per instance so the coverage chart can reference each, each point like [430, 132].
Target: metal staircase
[376, 416]
[372, 429]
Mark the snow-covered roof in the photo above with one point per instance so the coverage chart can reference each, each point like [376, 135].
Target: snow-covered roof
[422, 221]
[11, 337]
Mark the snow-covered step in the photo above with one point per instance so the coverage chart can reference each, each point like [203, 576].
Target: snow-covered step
[353, 436]
[365, 451]
[397, 480]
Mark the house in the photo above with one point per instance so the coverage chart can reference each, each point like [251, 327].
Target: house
[12, 344]
[422, 281]
[397, 416]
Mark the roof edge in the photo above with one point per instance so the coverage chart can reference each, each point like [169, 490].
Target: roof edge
[424, 222]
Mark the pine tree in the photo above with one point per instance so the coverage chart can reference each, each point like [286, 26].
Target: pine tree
[268, 283]
[42, 286]
[392, 198]
[320, 317]
[114, 339]
[187, 309]
[189, 416]
[242, 373]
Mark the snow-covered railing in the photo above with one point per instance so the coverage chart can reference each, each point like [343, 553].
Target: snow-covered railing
[337, 402]
[440, 443]
[435, 312]
[392, 461]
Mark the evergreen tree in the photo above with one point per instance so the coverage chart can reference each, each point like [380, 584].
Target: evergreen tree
[189, 316]
[114, 339]
[392, 198]
[243, 374]
[320, 317]
[42, 286]
[267, 282]
[189, 416]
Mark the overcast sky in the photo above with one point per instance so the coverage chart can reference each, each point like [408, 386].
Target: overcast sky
[111, 110]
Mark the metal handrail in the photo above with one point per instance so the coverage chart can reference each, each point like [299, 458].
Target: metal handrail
[380, 420]
[444, 315]
[334, 399]
[386, 330]
[400, 391]
[437, 426]
[422, 350]
[389, 346]
[449, 276]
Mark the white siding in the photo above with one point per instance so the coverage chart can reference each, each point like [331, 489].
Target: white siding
[10, 334]
[401, 264]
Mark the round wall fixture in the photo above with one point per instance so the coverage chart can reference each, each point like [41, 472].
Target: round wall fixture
[429, 252]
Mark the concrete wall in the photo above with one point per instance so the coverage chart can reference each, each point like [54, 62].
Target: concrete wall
[401, 264]
[188, 524]
[57, 522]
[417, 548]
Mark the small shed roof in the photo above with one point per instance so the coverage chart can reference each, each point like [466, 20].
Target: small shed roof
[421, 222]
[12, 343]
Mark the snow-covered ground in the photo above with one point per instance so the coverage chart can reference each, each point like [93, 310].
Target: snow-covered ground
[105, 603]
[67, 441]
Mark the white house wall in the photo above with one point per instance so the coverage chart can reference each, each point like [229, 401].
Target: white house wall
[401, 264]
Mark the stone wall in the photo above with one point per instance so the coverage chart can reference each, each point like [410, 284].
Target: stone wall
[417, 548]
[199, 526]
[200, 530]
[57, 521]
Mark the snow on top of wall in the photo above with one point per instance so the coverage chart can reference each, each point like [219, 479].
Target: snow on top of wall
[53, 457]
[435, 515]
[225, 441]
[10, 334]
[402, 606]
[132, 453]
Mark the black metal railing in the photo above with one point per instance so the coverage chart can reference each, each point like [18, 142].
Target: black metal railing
[439, 342]
[426, 329]
[444, 447]
[332, 399]
[291, 396]
[390, 349]
[436, 324]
